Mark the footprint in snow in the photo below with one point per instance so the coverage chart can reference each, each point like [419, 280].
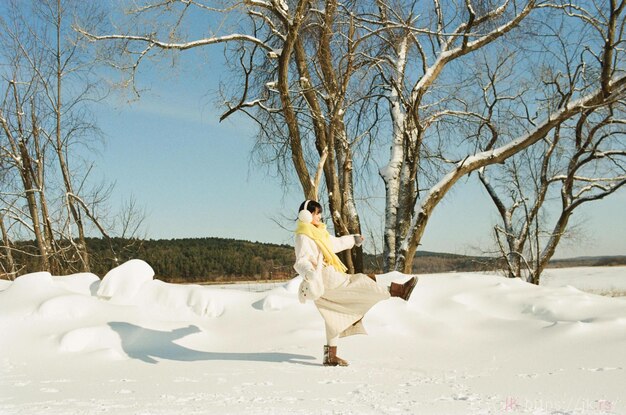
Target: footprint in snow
[181, 380]
[528, 375]
[419, 381]
[459, 397]
[600, 369]
[56, 381]
[267, 383]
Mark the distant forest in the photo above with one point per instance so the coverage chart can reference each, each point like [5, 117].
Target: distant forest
[226, 260]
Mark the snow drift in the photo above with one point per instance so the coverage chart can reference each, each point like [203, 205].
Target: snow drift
[465, 343]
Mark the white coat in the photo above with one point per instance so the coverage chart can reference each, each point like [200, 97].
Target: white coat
[346, 297]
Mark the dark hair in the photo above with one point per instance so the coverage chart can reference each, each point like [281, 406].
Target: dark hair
[311, 207]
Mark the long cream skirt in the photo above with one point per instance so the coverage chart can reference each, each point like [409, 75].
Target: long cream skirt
[343, 307]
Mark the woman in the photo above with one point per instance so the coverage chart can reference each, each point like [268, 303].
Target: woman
[342, 299]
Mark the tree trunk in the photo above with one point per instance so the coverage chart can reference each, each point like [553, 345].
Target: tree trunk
[287, 105]
[553, 242]
[391, 173]
[67, 180]
[10, 263]
[350, 222]
[33, 209]
[38, 176]
[497, 155]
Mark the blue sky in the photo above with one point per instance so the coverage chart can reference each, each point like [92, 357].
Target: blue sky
[194, 178]
[193, 175]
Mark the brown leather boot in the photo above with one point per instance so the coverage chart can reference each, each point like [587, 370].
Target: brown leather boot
[403, 290]
[331, 358]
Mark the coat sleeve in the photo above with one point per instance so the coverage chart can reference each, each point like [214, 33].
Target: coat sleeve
[307, 253]
[342, 243]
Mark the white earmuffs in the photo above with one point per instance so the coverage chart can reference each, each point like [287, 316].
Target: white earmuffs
[304, 215]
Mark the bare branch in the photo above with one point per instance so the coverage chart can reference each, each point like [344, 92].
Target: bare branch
[178, 46]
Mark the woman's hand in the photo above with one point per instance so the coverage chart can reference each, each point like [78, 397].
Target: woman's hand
[358, 239]
[311, 275]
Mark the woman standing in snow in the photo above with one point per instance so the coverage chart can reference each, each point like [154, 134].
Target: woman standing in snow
[341, 299]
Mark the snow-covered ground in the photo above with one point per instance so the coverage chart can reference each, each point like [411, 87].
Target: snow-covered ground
[464, 344]
[596, 280]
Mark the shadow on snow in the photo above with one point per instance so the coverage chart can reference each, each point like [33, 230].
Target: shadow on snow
[147, 345]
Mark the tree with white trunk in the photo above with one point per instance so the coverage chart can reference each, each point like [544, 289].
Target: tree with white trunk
[297, 66]
[319, 74]
[429, 79]
[47, 82]
[537, 191]
[581, 160]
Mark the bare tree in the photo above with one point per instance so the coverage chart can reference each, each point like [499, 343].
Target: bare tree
[429, 81]
[582, 159]
[296, 68]
[579, 162]
[7, 264]
[315, 74]
[21, 150]
[47, 82]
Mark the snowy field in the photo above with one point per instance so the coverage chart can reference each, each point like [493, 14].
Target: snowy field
[466, 343]
[596, 280]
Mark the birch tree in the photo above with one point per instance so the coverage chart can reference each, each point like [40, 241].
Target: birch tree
[296, 66]
[581, 160]
[428, 83]
[22, 149]
[7, 264]
[46, 84]
[308, 69]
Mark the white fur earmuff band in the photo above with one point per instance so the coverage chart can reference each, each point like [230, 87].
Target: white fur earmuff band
[304, 215]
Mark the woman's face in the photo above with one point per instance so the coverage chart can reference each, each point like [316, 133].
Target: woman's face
[317, 217]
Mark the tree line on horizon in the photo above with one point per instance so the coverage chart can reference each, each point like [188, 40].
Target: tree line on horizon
[215, 260]
[182, 260]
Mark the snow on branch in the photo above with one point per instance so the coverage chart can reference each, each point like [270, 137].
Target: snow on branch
[89, 213]
[494, 34]
[594, 99]
[591, 100]
[178, 46]
[605, 190]
[447, 54]
[589, 179]
[576, 11]
[278, 7]
[249, 104]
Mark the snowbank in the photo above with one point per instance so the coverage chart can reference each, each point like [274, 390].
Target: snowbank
[4, 284]
[82, 283]
[174, 298]
[466, 343]
[122, 283]
[89, 339]
[27, 292]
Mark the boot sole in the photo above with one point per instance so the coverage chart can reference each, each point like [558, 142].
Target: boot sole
[410, 291]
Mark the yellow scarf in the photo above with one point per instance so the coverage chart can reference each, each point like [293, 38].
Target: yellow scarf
[322, 238]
